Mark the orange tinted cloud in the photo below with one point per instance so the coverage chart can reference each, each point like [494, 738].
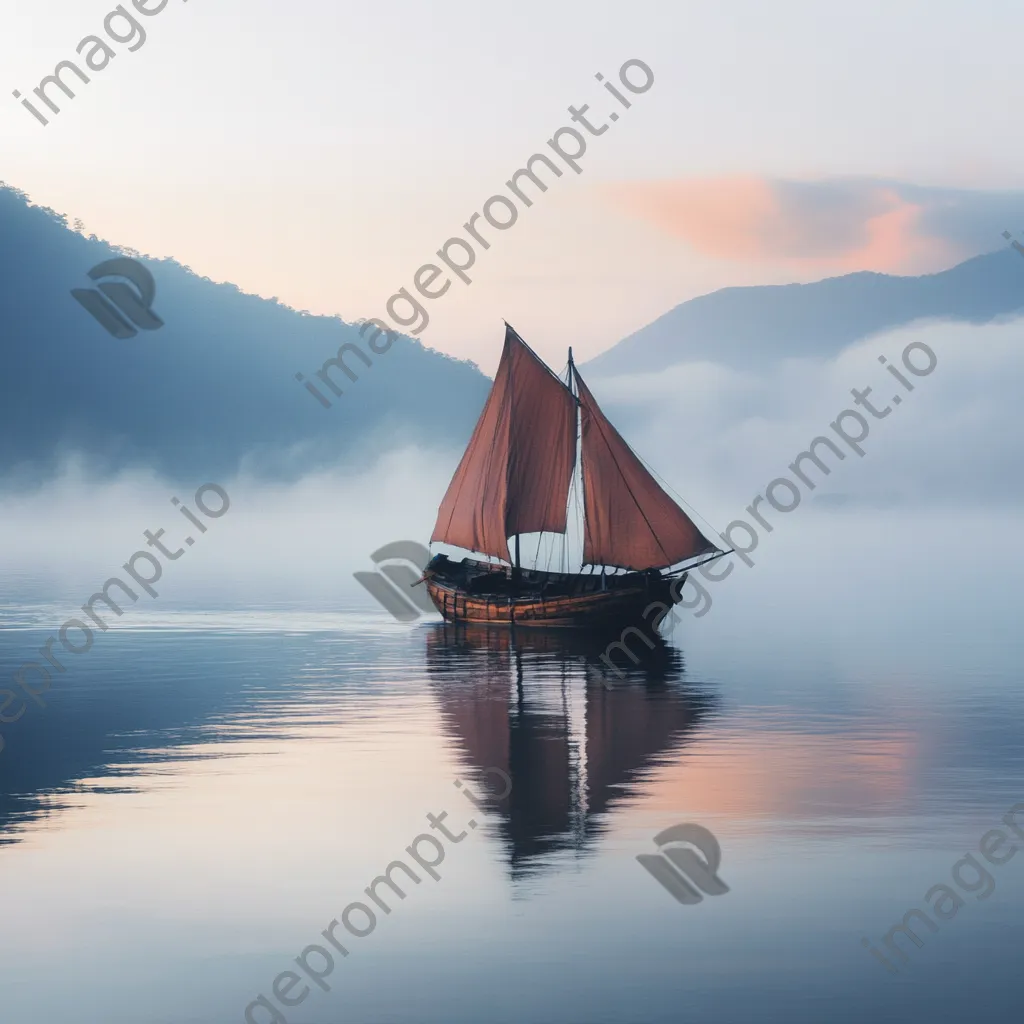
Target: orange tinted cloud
[839, 226]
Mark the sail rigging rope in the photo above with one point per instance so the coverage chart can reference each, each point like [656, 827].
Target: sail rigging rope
[678, 497]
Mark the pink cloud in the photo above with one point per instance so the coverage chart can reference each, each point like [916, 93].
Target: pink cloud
[839, 226]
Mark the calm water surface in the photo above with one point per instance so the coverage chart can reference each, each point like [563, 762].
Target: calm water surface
[206, 793]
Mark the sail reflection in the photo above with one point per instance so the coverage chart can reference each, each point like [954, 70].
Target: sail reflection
[532, 703]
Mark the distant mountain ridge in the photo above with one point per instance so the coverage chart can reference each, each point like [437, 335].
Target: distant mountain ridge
[214, 389]
[211, 390]
[754, 326]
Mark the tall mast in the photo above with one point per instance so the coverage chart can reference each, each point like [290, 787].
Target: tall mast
[571, 373]
[516, 570]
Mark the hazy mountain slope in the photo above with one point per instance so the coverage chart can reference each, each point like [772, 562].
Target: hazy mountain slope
[213, 387]
[752, 327]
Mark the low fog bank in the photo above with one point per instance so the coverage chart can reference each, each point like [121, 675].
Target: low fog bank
[938, 481]
[848, 584]
[277, 544]
[719, 436]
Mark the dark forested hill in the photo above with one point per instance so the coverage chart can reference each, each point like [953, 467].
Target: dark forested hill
[215, 386]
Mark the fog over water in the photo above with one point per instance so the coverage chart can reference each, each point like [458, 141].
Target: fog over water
[718, 437]
[232, 762]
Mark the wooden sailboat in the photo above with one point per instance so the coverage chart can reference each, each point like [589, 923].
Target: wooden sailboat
[515, 478]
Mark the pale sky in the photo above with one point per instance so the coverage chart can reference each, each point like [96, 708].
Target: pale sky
[322, 152]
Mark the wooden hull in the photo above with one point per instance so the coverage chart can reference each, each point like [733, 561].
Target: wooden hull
[619, 606]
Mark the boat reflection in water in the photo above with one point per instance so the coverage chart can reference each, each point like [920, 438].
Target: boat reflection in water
[532, 703]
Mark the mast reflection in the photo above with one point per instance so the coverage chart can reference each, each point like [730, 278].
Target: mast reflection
[574, 741]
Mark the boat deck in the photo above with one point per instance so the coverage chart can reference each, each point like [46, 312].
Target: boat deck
[481, 592]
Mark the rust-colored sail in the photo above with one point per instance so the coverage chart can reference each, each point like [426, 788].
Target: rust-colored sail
[514, 477]
[630, 522]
